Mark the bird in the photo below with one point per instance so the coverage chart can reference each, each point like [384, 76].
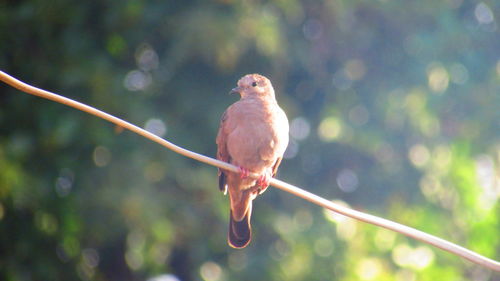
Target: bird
[253, 135]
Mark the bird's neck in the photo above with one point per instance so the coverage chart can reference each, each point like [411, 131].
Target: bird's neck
[267, 100]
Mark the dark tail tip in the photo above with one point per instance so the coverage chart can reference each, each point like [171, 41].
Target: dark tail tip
[222, 182]
[240, 232]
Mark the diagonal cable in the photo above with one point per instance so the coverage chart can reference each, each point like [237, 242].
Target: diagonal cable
[313, 198]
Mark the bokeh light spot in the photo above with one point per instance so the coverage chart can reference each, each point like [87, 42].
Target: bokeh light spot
[323, 247]
[137, 80]
[146, 58]
[283, 224]
[430, 187]
[134, 260]
[70, 246]
[442, 157]
[64, 182]
[483, 13]
[418, 258]
[101, 156]
[279, 250]
[63, 186]
[419, 155]
[486, 177]
[369, 268]
[423, 257]
[459, 74]
[346, 227]
[154, 172]
[329, 129]
[438, 78]
[84, 271]
[134, 257]
[415, 101]
[156, 126]
[347, 230]
[116, 45]
[334, 216]
[401, 255]
[302, 220]
[355, 69]
[347, 180]
[210, 271]
[159, 252]
[300, 128]
[46, 222]
[162, 230]
[90, 257]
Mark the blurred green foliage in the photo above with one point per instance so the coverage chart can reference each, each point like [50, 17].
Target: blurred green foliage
[394, 110]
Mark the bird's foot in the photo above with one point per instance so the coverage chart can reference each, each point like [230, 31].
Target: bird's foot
[263, 182]
[244, 173]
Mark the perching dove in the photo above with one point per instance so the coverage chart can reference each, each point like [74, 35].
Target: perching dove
[253, 135]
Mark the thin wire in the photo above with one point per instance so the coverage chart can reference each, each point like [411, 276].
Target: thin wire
[403, 229]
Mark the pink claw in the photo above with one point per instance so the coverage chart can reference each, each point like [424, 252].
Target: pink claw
[264, 181]
[244, 173]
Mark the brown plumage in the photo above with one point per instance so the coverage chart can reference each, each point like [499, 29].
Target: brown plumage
[253, 135]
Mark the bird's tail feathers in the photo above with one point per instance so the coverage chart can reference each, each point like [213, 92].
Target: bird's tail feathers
[240, 232]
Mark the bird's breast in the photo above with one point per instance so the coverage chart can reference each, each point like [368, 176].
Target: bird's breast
[257, 139]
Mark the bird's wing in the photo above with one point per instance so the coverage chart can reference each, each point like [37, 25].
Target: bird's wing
[282, 127]
[222, 153]
[275, 166]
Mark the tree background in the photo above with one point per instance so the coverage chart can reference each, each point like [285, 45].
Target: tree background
[394, 110]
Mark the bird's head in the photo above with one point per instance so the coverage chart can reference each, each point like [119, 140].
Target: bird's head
[254, 85]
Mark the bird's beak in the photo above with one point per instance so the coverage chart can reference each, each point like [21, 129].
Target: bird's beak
[235, 90]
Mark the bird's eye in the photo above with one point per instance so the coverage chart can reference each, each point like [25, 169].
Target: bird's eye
[254, 84]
